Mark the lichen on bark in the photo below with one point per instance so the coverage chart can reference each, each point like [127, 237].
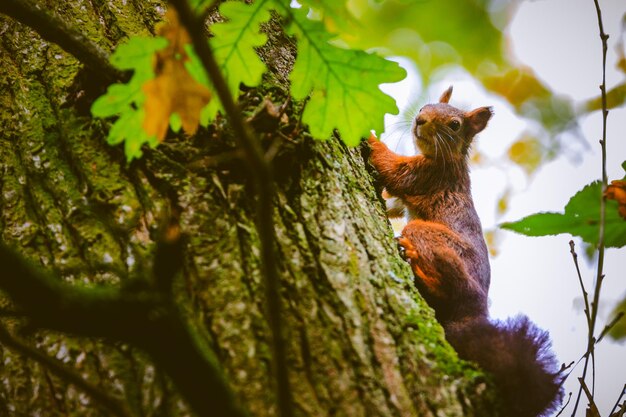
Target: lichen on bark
[360, 339]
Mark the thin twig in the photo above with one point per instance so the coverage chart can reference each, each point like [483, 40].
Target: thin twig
[618, 400]
[566, 367]
[593, 409]
[609, 326]
[564, 406]
[59, 32]
[263, 177]
[580, 280]
[572, 366]
[600, 275]
[59, 369]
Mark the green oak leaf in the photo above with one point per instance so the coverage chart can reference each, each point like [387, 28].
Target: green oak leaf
[126, 100]
[581, 218]
[233, 46]
[342, 84]
[195, 68]
[128, 128]
[136, 53]
[118, 99]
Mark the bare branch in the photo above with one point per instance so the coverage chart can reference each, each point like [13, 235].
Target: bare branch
[53, 29]
[140, 317]
[613, 410]
[569, 397]
[58, 368]
[592, 411]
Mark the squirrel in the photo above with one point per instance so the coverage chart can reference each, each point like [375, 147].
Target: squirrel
[444, 244]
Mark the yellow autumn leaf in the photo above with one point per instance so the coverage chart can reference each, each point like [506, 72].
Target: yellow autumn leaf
[491, 239]
[621, 64]
[476, 157]
[503, 203]
[518, 85]
[173, 90]
[526, 152]
[620, 48]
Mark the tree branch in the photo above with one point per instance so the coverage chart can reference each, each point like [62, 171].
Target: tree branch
[593, 409]
[263, 177]
[143, 318]
[53, 29]
[57, 367]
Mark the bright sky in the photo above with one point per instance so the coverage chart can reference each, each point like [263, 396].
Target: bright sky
[536, 276]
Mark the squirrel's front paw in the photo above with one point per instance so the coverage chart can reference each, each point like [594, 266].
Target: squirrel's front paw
[429, 281]
[401, 249]
[407, 250]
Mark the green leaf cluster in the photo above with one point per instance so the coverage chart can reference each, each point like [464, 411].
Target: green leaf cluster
[432, 33]
[341, 85]
[581, 218]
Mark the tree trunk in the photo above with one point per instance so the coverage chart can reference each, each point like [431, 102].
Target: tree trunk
[360, 341]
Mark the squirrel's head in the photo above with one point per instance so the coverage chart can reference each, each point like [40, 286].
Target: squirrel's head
[443, 131]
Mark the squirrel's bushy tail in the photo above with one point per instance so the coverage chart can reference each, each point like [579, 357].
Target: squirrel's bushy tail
[517, 353]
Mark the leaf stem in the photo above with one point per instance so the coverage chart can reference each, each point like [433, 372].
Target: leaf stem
[580, 280]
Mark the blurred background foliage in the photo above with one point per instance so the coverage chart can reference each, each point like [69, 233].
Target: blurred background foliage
[439, 36]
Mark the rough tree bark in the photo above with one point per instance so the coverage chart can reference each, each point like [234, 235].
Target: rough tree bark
[360, 340]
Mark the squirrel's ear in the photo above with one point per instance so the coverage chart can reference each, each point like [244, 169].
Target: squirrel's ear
[445, 97]
[478, 118]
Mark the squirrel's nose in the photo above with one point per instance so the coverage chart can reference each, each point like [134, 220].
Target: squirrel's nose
[420, 120]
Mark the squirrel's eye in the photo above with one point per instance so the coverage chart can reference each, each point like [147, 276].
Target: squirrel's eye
[454, 125]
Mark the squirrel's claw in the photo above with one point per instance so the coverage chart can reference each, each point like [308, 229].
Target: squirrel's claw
[401, 249]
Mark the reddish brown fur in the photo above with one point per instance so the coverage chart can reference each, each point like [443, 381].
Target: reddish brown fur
[444, 244]
[443, 223]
